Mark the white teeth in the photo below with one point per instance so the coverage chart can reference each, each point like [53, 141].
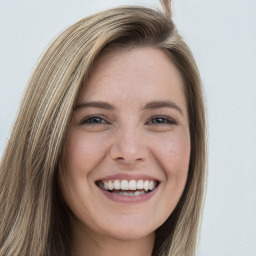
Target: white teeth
[137, 193]
[124, 185]
[106, 185]
[140, 184]
[122, 193]
[110, 185]
[146, 185]
[117, 184]
[151, 185]
[128, 185]
[132, 185]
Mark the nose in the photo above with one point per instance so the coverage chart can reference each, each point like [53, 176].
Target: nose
[129, 147]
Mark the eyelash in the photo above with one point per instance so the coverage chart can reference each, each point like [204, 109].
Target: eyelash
[162, 120]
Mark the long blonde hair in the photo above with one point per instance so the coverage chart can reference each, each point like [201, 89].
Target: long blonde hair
[33, 217]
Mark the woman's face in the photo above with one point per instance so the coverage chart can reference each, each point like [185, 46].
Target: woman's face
[127, 150]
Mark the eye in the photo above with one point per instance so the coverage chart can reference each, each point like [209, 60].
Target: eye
[94, 120]
[162, 120]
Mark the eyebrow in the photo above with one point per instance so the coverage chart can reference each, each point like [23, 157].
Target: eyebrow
[150, 105]
[95, 104]
[162, 104]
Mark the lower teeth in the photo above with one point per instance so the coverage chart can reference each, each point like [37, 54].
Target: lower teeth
[136, 193]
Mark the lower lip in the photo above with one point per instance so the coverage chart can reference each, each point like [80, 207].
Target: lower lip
[129, 199]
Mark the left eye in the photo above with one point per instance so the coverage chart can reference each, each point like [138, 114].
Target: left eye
[94, 120]
[161, 120]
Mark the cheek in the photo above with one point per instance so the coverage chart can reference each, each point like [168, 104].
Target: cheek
[173, 153]
[83, 151]
[81, 155]
[179, 151]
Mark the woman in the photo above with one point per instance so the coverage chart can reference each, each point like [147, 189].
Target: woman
[107, 156]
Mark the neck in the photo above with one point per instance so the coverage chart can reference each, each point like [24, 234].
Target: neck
[89, 243]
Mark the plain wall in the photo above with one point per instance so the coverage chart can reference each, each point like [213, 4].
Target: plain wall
[222, 36]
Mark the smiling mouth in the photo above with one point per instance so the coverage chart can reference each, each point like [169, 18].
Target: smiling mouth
[128, 187]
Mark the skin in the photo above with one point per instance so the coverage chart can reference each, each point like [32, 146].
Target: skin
[133, 137]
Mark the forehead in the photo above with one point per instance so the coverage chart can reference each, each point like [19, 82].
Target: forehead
[129, 74]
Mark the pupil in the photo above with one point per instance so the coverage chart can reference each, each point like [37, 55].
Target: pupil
[158, 120]
[95, 120]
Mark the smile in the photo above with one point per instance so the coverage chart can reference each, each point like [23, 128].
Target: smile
[128, 187]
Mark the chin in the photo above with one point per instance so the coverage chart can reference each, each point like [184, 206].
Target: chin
[132, 229]
[129, 234]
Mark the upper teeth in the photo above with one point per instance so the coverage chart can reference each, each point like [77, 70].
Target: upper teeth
[128, 184]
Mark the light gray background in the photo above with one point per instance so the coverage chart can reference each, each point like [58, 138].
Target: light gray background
[222, 35]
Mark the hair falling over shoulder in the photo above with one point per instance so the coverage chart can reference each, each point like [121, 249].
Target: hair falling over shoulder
[34, 219]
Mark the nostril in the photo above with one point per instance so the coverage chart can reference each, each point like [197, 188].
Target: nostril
[128, 161]
[139, 159]
[129, 152]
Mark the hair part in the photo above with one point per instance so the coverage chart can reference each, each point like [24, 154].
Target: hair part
[34, 219]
